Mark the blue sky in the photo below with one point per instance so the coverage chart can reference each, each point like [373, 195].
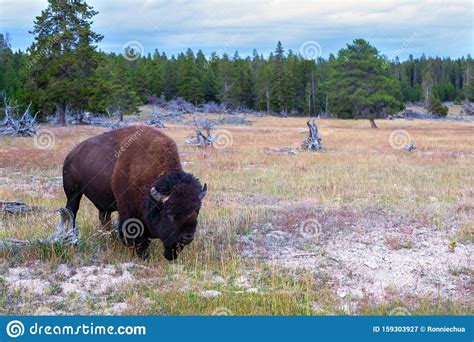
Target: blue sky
[396, 28]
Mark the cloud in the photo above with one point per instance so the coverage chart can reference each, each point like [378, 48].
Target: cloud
[441, 27]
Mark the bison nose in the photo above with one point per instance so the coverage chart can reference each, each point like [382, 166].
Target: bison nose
[187, 238]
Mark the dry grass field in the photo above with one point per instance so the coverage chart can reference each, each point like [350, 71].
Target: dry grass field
[363, 227]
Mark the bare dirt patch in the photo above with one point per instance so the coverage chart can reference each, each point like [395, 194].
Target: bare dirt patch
[50, 289]
[372, 253]
[84, 280]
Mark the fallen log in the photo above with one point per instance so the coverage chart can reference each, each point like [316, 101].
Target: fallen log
[281, 150]
[14, 207]
[409, 147]
[65, 234]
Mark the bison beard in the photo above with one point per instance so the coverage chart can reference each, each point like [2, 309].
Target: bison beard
[136, 171]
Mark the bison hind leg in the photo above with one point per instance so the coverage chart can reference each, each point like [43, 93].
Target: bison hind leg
[73, 202]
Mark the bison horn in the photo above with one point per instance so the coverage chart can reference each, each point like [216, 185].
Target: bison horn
[157, 196]
[203, 192]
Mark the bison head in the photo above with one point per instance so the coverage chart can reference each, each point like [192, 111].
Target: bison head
[173, 209]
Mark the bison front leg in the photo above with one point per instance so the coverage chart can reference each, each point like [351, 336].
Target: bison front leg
[142, 248]
[131, 232]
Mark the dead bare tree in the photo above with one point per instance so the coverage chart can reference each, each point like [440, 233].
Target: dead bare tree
[468, 108]
[23, 125]
[313, 142]
[200, 138]
[155, 118]
[118, 115]
[65, 233]
[96, 121]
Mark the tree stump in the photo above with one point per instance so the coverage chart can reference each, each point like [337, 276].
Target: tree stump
[313, 142]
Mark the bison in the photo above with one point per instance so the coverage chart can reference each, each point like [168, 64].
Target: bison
[136, 171]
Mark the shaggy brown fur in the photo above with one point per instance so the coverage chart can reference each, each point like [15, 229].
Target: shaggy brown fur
[116, 170]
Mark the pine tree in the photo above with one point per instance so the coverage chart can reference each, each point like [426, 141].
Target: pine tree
[189, 85]
[170, 79]
[436, 107]
[142, 76]
[207, 78]
[360, 86]
[225, 80]
[279, 81]
[264, 87]
[63, 57]
[156, 71]
[11, 64]
[242, 92]
[469, 90]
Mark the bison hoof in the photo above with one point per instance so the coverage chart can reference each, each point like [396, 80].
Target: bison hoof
[144, 255]
[170, 254]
